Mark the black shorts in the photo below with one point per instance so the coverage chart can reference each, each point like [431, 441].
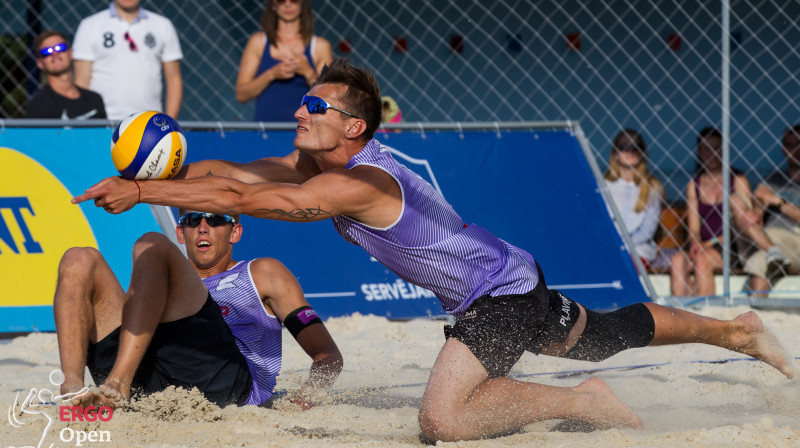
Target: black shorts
[498, 330]
[196, 351]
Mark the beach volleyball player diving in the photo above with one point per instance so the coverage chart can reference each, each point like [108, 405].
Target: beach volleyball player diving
[495, 291]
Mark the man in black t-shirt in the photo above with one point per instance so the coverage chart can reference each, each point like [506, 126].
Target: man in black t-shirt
[60, 97]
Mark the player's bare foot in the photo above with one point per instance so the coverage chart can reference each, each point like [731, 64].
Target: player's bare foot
[603, 410]
[751, 337]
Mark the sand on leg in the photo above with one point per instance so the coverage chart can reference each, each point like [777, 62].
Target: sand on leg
[87, 306]
[744, 334]
[461, 402]
[164, 287]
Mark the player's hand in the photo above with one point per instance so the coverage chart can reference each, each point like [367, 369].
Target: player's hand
[114, 194]
[300, 401]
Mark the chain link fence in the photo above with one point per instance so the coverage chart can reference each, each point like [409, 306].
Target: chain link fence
[651, 65]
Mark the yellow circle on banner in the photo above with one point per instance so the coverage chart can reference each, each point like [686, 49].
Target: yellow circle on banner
[38, 223]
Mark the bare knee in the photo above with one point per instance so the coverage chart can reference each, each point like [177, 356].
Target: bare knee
[78, 262]
[438, 424]
[149, 241]
[678, 264]
[705, 263]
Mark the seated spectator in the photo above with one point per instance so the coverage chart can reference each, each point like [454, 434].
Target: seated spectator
[391, 112]
[60, 97]
[280, 63]
[636, 192]
[704, 206]
[779, 196]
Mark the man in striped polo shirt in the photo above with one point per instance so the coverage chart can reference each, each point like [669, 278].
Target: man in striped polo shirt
[496, 291]
[167, 330]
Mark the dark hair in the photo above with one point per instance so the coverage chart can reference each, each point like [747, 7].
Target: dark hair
[269, 22]
[37, 41]
[791, 130]
[708, 131]
[363, 95]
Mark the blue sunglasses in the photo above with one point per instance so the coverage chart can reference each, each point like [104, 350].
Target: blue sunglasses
[193, 219]
[57, 48]
[317, 105]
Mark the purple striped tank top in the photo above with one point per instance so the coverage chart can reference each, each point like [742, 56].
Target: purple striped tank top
[430, 246]
[257, 333]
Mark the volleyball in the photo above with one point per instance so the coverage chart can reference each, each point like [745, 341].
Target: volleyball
[148, 145]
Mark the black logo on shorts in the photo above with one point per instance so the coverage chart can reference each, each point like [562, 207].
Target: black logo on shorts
[150, 40]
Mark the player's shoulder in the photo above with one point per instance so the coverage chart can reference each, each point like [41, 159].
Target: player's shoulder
[267, 266]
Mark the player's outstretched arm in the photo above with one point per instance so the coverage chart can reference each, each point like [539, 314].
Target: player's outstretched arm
[281, 292]
[294, 168]
[367, 194]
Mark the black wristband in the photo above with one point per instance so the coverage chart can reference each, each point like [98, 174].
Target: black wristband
[299, 319]
[775, 209]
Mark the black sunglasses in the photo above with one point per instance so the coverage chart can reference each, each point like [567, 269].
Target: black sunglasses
[193, 219]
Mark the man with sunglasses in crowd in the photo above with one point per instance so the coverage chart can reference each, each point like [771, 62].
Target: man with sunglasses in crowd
[124, 52]
[60, 97]
[495, 290]
[221, 335]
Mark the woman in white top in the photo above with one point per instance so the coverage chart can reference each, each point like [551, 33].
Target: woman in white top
[636, 192]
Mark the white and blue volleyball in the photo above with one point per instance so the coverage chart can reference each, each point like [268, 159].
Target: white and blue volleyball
[148, 145]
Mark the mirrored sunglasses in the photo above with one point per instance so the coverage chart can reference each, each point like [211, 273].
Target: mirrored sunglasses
[317, 105]
[57, 48]
[193, 219]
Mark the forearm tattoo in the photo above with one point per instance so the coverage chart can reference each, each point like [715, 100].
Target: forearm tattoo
[302, 213]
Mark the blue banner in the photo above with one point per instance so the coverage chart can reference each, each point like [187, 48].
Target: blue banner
[42, 169]
[534, 189]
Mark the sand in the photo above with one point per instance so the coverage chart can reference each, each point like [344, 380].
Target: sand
[682, 394]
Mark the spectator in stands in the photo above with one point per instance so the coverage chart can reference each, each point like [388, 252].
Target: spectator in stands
[779, 196]
[704, 205]
[280, 63]
[60, 97]
[122, 53]
[391, 112]
[636, 192]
